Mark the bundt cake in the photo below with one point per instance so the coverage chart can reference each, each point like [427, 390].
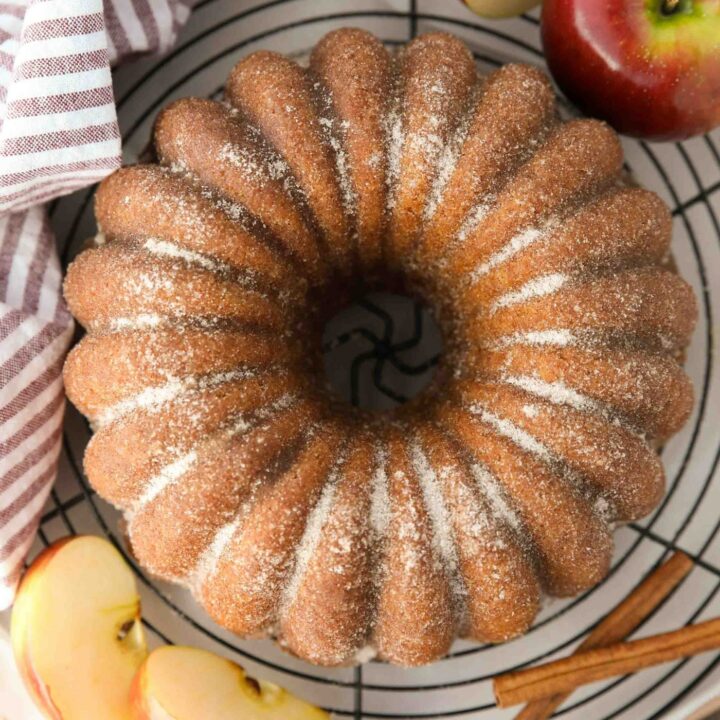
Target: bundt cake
[342, 532]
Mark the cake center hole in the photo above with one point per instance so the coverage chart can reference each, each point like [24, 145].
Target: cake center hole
[381, 351]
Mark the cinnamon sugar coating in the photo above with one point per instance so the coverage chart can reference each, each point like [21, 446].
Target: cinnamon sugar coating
[347, 535]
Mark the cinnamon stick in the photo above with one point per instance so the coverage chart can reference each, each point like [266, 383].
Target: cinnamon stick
[602, 663]
[621, 622]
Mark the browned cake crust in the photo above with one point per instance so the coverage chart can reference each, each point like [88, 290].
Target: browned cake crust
[345, 535]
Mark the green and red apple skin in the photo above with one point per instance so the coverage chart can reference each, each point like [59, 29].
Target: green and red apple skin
[650, 68]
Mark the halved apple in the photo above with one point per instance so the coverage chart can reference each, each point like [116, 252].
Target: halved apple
[182, 683]
[76, 631]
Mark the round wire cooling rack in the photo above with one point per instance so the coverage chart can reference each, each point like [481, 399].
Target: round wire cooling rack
[392, 352]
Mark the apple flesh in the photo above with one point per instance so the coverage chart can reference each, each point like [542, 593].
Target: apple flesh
[182, 683]
[76, 631]
[500, 8]
[650, 68]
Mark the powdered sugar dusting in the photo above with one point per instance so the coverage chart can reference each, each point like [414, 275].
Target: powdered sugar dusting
[167, 249]
[251, 165]
[168, 475]
[342, 165]
[310, 539]
[396, 140]
[408, 524]
[603, 508]
[517, 243]
[426, 144]
[545, 285]
[530, 411]
[473, 219]
[556, 392]
[139, 322]
[558, 338]
[380, 500]
[474, 521]
[446, 164]
[509, 430]
[443, 538]
[235, 211]
[151, 282]
[210, 558]
[174, 471]
[153, 398]
[495, 496]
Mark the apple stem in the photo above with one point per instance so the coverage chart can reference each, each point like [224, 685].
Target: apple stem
[669, 6]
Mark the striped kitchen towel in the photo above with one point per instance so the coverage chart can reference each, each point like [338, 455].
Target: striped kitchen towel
[58, 133]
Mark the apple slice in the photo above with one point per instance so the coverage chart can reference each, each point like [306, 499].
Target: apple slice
[500, 8]
[182, 683]
[76, 631]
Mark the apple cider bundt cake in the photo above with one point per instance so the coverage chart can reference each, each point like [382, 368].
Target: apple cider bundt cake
[341, 532]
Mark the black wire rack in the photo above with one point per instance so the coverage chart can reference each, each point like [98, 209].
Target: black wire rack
[381, 351]
[390, 357]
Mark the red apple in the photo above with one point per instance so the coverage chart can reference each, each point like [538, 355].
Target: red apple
[651, 68]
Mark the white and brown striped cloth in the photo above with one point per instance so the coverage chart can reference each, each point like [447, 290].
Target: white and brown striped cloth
[58, 133]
